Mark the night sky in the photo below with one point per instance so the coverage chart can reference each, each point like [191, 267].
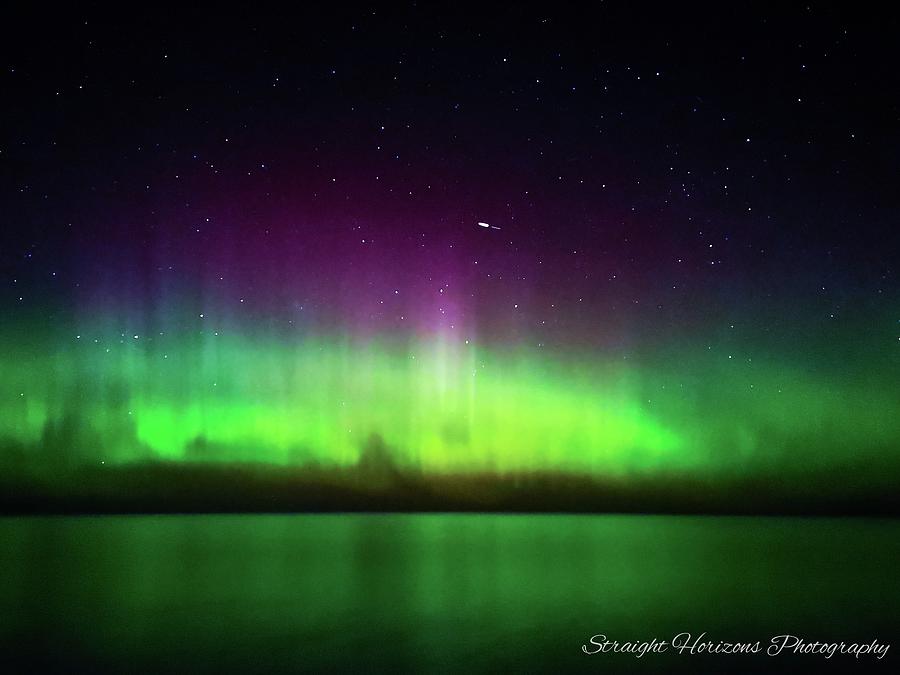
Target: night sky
[612, 241]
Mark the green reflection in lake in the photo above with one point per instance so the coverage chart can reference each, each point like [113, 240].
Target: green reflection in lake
[427, 593]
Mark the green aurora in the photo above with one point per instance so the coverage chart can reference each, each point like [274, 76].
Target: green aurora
[439, 405]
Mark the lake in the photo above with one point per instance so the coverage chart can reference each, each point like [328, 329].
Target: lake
[438, 592]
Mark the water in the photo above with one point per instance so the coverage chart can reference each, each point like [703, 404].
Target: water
[435, 593]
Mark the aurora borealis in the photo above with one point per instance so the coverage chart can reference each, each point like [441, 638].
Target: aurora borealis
[439, 405]
[275, 254]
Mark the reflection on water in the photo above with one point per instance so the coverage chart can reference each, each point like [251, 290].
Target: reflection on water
[430, 593]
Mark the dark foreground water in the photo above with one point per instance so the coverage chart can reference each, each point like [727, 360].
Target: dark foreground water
[437, 593]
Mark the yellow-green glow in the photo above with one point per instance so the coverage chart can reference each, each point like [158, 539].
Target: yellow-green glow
[438, 405]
